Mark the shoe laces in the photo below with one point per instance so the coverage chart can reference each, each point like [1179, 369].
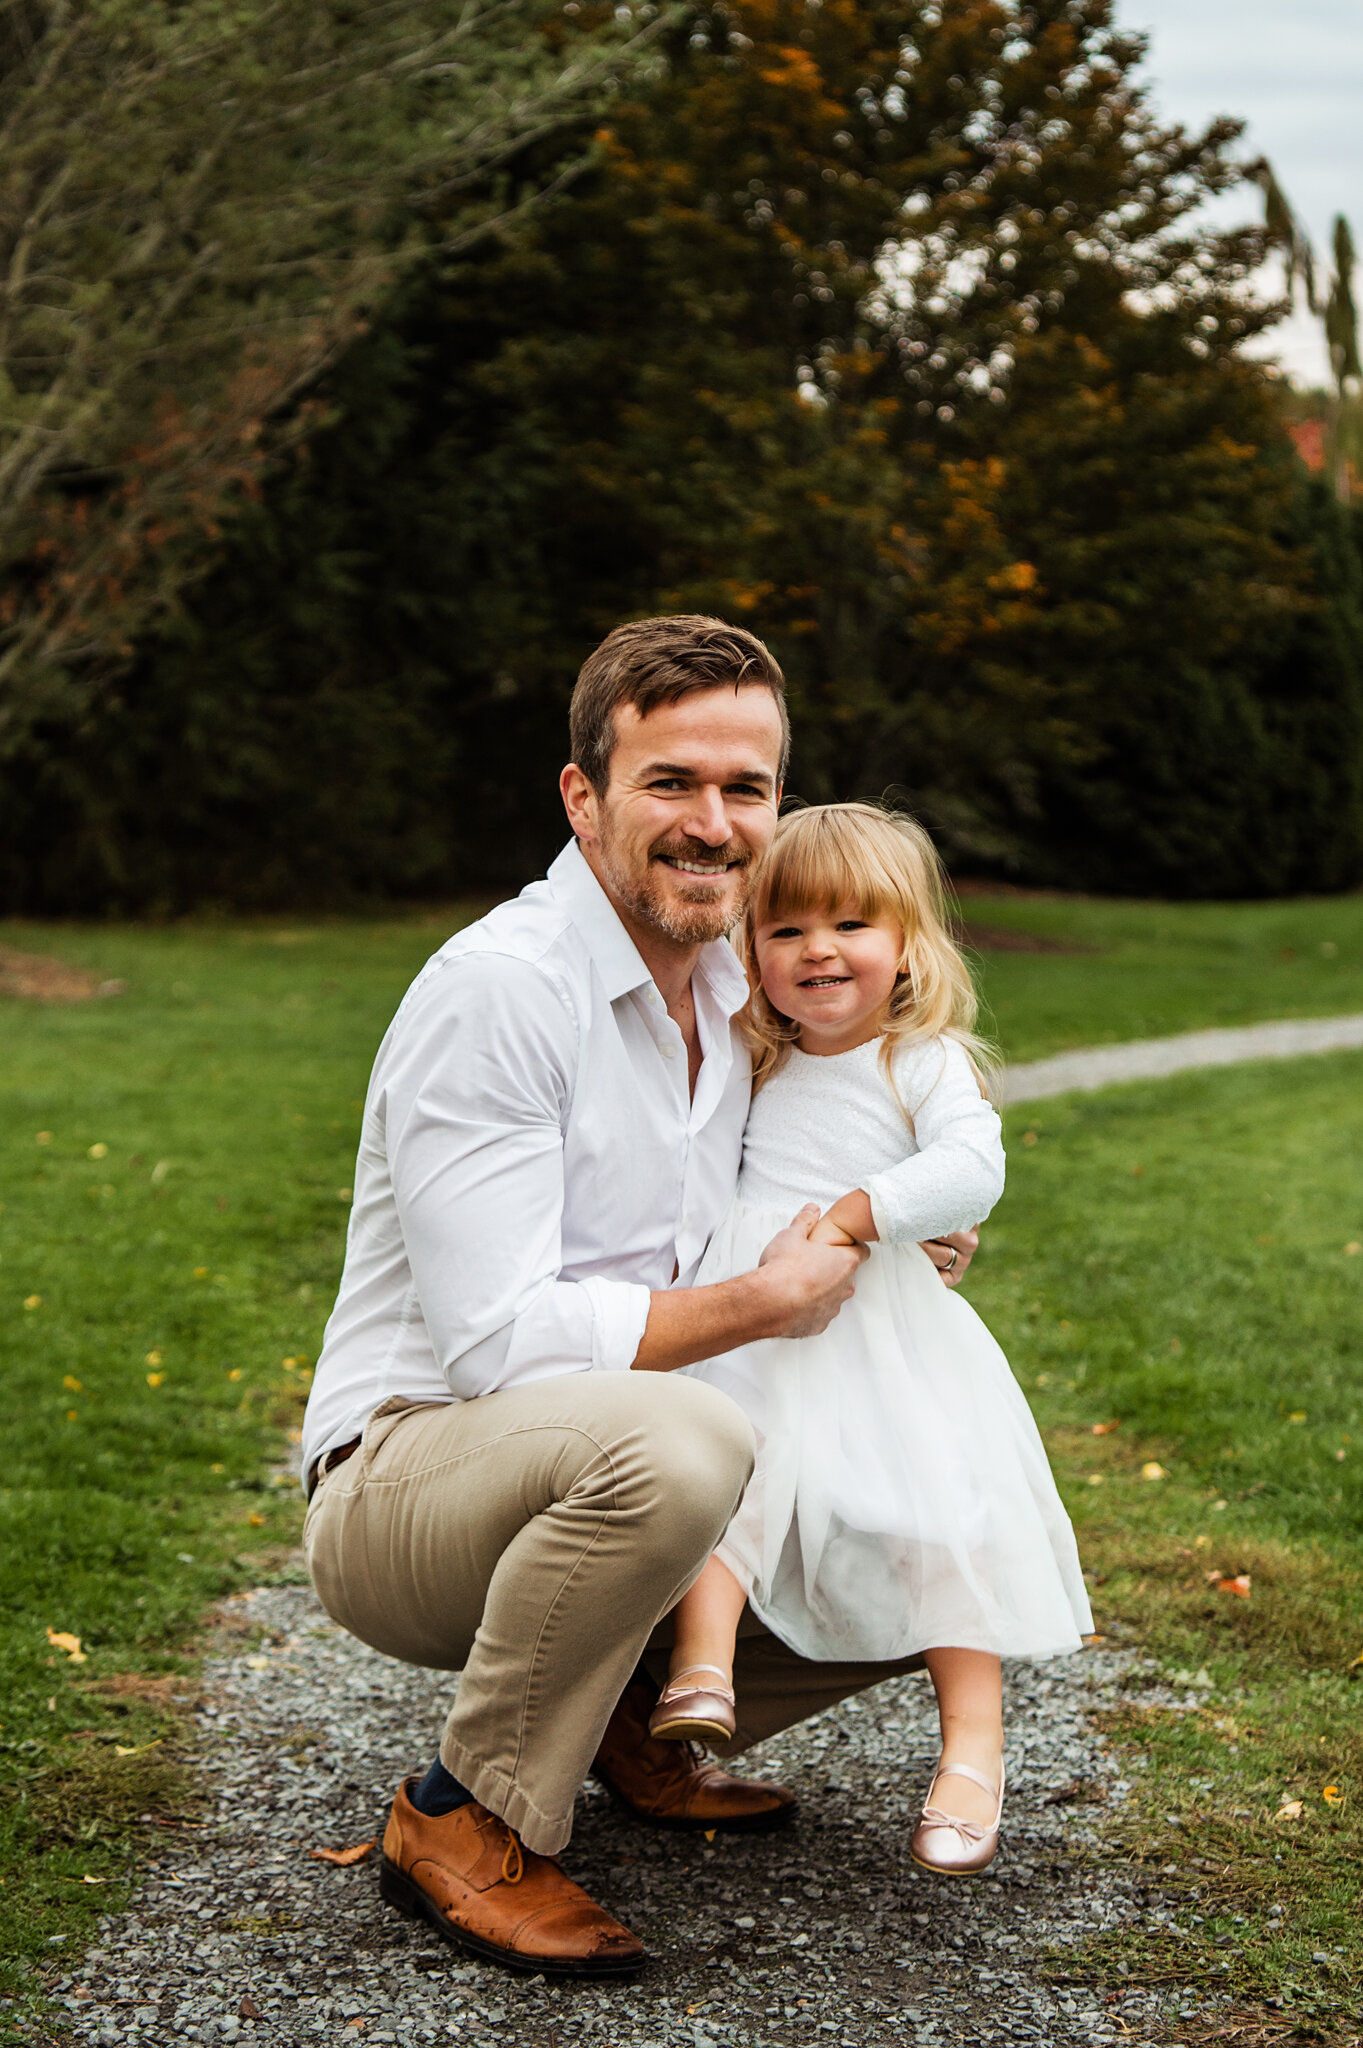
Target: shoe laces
[513, 1862]
[513, 1857]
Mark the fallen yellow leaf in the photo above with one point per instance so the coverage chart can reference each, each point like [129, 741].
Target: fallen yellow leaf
[1332, 1796]
[154, 1379]
[98, 1152]
[256, 1521]
[1239, 1584]
[1297, 1415]
[43, 1138]
[1095, 1478]
[1105, 1428]
[343, 1858]
[34, 1301]
[710, 1834]
[235, 1373]
[1351, 1251]
[72, 1386]
[201, 1272]
[62, 1639]
[153, 1358]
[137, 1748]
[72, 1415]
[1291, 1809]
[1153, 1471]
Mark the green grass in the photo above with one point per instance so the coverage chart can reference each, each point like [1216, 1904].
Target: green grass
[1184, 1260]
[1156, 968]
[173, 1175]
[1205, 1300]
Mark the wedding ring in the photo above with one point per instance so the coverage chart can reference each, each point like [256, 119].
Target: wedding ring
[951, 1262]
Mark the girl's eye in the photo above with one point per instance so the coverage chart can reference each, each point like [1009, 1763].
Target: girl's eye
[787, 931]
[851, 924]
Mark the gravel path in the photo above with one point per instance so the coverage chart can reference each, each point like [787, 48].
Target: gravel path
[825, 1934]
[1151, 1059]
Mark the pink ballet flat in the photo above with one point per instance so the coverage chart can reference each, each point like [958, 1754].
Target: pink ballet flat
[952, 1847]
[690, 1713]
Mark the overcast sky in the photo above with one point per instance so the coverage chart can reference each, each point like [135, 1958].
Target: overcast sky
[1294, 70]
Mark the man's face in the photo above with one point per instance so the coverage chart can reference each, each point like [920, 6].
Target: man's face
[690, 806]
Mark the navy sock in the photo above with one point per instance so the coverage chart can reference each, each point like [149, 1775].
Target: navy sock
[438, 1792]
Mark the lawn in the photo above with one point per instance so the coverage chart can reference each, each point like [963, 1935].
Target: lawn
[1176, 1273]
[1141, 970]
[174, 1167]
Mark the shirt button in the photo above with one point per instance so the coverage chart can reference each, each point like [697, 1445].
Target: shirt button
[668, 1051]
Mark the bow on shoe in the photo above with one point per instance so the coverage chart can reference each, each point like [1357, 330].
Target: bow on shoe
[969, 1830]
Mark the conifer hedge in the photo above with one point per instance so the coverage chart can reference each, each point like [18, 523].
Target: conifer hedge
[886, 329]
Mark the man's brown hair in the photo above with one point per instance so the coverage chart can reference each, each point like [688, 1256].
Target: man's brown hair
[658, 661]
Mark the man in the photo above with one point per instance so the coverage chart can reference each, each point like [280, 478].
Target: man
[508, 1478]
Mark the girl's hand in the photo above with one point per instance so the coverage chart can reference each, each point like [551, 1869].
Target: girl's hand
[826, 1231]
[849, 1221]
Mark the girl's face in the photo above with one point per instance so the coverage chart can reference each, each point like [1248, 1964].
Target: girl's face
[831, 972]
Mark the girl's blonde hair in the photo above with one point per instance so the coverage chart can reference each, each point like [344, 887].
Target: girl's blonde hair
[884, 862]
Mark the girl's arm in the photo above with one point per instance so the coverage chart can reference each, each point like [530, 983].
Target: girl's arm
[954, 1178]
[849, 1221]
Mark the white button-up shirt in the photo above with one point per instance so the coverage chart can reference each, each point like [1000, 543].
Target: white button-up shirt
[532, 1164]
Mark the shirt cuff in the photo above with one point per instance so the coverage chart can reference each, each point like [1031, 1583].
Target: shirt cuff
[887, 1231]
[619, 1313]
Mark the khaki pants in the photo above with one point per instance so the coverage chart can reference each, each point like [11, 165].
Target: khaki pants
[535, 1540]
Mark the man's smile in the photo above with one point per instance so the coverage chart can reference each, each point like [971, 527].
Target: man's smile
[708, 868]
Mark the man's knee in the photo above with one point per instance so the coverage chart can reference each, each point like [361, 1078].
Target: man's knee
[703, 1456]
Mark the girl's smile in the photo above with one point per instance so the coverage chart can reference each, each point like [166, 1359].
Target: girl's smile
[831, 971]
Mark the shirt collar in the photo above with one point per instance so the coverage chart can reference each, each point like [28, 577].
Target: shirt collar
[614, 953]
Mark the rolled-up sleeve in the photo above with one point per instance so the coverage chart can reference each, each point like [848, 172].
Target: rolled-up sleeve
[474, 1098]
[955, 1177]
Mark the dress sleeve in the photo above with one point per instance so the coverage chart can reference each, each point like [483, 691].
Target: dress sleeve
[955, 1177]
[474, 1101]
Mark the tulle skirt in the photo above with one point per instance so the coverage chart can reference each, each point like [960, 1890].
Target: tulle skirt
[902, 1499]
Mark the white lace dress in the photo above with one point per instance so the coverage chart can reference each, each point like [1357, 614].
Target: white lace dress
[902, 1499]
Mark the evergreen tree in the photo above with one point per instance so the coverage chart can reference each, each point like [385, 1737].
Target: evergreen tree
[885, 329]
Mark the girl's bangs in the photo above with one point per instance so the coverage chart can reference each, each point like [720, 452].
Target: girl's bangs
[817, 865]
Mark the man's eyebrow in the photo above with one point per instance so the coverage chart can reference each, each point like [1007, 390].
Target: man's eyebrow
[688, 773]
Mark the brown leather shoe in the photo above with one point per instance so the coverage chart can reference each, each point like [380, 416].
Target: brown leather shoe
[481, 1888]
[673, 1785]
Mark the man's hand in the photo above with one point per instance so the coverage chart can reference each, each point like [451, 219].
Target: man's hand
[963, 1243]
[796, 1290]
[812, 1279]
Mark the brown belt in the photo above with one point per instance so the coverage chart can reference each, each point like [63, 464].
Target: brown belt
[329, 1460]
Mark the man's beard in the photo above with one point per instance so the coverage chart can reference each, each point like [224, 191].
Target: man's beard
[698, 917]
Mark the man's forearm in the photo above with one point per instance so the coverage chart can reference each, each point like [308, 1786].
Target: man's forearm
[686, 1324]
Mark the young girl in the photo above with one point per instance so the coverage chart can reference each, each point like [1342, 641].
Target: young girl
[902, 1501]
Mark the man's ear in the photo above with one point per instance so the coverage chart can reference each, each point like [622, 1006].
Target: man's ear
[579, 801]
